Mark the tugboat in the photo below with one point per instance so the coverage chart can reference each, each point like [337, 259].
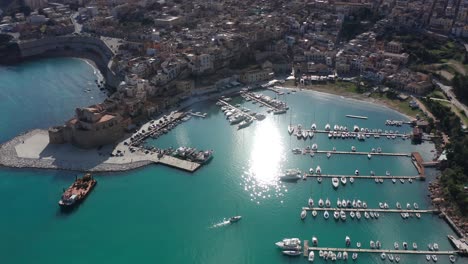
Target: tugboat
[77, 192]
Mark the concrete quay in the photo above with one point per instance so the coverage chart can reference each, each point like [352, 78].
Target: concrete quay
[32, 150]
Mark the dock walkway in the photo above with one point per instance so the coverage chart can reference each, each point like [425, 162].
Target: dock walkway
[346, 209]
[362, 176]
[362, 153]
[381, 250]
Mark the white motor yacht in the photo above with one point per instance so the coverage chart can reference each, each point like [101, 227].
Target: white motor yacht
[291, 175]
[289, 244]
[387, 173]
[335, 182]
[343, 180]
[364, 205]
[292, 252]
[235, 218]
[452, 258]
[314, 241]
[396, 246]
[378, 244]
[415, 246]
[303, 214]
[311, 256]
[311, 170]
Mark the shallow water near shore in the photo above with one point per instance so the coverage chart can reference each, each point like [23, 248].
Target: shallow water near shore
[161, 215]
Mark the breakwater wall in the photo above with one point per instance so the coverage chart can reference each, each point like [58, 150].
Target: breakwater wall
[86, 47]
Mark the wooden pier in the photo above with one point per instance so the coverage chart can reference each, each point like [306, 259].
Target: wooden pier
[363, 176]
[237, 109]
[380, 251]
[378, 210]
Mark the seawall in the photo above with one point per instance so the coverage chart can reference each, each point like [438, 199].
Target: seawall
[86, 47]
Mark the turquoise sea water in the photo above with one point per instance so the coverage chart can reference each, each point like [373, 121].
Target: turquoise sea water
[162, 215]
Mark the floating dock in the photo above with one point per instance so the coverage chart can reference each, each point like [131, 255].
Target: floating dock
[380, 251]
[346, 209]
[358, 153]
[237, 109]
[362, 176]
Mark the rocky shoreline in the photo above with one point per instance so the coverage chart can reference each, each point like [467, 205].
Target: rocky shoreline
[9, 158]
[458, 222]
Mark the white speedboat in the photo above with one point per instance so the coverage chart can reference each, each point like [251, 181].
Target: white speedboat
[452, 258]
[397, 259]
[364, 205]
[356, 172]
[358, 244]
[372, 173]
[326, 215]
[313, 126]
[303, 214]
[393, 180]
[415, 246]
[311, 256]
[319, 179]
[343, 180]
[343, 215]
[434, 258]
[398, 205]
[245, 123]
[416, 206]
[390, 257]
[387, 173]
[327, 127]
[311, 134]
[418, 215]
[314, 213]
[235, 218]
[369, 156]
[338, 203]
[408, 206]
[291, 175]
[358, 215]
[336, 215]
[292, 252]
[378, 245]
[345, 255]
[318, 170]
[396, 246]
[311, 202]
[353, 149]
[311, 170]
[328, 154]
[355, 256]
[314, 241]
[327, 203]
[402, 181]
[436, 247]
[347, 241]
[383, 255]
[405, 245]
[372, 244]
[352, 214]
[330, 135]
[335, 182]
[290, 129]
[320, 202]
[351, 180]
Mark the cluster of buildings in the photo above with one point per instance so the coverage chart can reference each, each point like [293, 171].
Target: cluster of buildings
[51, 20]
[171, 50]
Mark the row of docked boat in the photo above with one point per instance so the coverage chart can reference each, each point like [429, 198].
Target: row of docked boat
[393, 123]
[342, 179]
[239, 116]
[277, 106]
[300, 133]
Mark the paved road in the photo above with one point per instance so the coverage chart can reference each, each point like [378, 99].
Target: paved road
[448, 90]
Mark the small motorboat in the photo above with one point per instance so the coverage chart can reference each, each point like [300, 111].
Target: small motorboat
[372, 215]
[352, 214]
[396, 246]
[378, 245]
[326, 215]
[338, 203]
[345, 255]
[292, 252]
[366, 215]
[335, 182]
[303, 214]
[235, 218]
[402, 181]
[314, 213]
[415, 246]
[372, 244]
[434, 258]
[311, 256]
[328, 154]
[336, 215]
[364, 205]
[416, 206]
[356, 172]
[369, 156]
[383, 256]
[347, 241]
[343, 180]
[314, 241]
[430, 247]
[343, 215]
[428, 257]
[351, 180]
[319, 179]
[390, 257]
[410, 180]
[358, 244]
[372, 173]
[327, 203]
[354, 256]
[398, 205]
[358, 215]
[320, 202]
[311, 202]
[452, 258]
[397, 259]
[436, 247]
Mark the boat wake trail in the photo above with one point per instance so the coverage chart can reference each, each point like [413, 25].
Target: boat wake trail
[221, 224]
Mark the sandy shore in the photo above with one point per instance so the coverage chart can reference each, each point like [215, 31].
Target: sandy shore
[348, 95]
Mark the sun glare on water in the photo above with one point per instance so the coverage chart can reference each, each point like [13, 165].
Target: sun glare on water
[266, 156]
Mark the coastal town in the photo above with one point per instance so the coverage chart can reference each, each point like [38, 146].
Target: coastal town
[159, 59]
